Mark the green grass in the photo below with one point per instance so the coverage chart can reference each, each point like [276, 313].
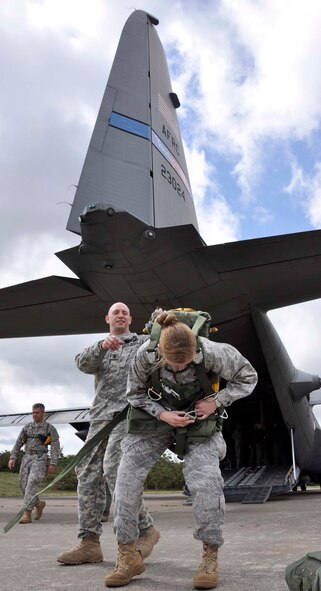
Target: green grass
[9, 484]
[9, 487]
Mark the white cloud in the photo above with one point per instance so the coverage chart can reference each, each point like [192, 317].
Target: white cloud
[305, 188]
[44, 370]
[253, 65]
[217, 222]
[79, 27]
[40, 262]
[299, 329]
[262, 214]
[293, 325]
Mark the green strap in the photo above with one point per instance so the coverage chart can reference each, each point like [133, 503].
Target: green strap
[200, 320]
[206, 388]
[203, 378]
[89, 445]
[154, 337]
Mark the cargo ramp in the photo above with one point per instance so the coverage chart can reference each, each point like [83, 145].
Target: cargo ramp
[256, 484]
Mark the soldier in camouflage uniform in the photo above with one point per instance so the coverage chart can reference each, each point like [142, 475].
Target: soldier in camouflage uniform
[176, 359]
[108, 360]
[36, 437]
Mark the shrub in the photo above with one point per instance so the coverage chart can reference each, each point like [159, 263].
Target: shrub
[165, 475]
[68, 482]
[4, 459]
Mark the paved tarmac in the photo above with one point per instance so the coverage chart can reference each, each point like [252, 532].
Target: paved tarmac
[260, 540]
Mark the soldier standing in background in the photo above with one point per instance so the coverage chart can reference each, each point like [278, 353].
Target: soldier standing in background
[108, 360]
[36, 437]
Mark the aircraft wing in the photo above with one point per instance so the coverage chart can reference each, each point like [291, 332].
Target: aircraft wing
[55, 305]
[72, 416]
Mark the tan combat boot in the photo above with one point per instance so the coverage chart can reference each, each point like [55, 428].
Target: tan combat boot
[26, 517]
[207, 576]
[129, 564]
[40, 505]
[147, 541]
[89, 550]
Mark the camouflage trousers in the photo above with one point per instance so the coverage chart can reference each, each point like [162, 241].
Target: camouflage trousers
[99, 465]
[32, 472]
[202, 476]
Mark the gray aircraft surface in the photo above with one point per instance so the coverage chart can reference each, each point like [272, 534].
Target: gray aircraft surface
[140, 244]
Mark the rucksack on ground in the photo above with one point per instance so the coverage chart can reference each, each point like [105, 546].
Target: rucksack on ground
[305, 574]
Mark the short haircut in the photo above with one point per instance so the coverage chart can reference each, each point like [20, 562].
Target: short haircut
[38, 405]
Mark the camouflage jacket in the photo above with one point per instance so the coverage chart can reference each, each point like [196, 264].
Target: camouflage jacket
[29, 437]
[110, 369]
[220, 358]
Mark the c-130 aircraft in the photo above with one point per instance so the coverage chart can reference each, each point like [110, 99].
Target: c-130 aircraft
[140, 244]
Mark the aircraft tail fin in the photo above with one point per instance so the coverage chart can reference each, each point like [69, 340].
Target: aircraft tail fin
[135, 161]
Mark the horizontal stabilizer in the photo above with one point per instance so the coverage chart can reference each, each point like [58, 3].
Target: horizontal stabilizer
[167, 267]
[270, 272]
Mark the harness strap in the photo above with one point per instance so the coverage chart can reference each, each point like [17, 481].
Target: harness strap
[87, 447]
[200, 320]
[181, 433]
[154, 337]
[156, 381]
[205, 383]
[180, 441]
[203, 378]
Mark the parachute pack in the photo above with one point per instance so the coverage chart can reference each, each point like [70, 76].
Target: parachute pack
[182, 397]
[305, 574]
[198, 321]
[200, 324]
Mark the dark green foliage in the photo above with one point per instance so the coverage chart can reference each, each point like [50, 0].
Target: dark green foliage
[4, 459]
[69, 482]
[166, 475]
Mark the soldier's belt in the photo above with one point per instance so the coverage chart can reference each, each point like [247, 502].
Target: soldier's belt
[87, 447]
[35, 453]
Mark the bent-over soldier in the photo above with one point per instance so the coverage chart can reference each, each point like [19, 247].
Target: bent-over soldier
[180, 409]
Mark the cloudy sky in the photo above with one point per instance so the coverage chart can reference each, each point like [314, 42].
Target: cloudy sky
[248, 77]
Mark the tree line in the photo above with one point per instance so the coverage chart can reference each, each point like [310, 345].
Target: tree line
[165, 475]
